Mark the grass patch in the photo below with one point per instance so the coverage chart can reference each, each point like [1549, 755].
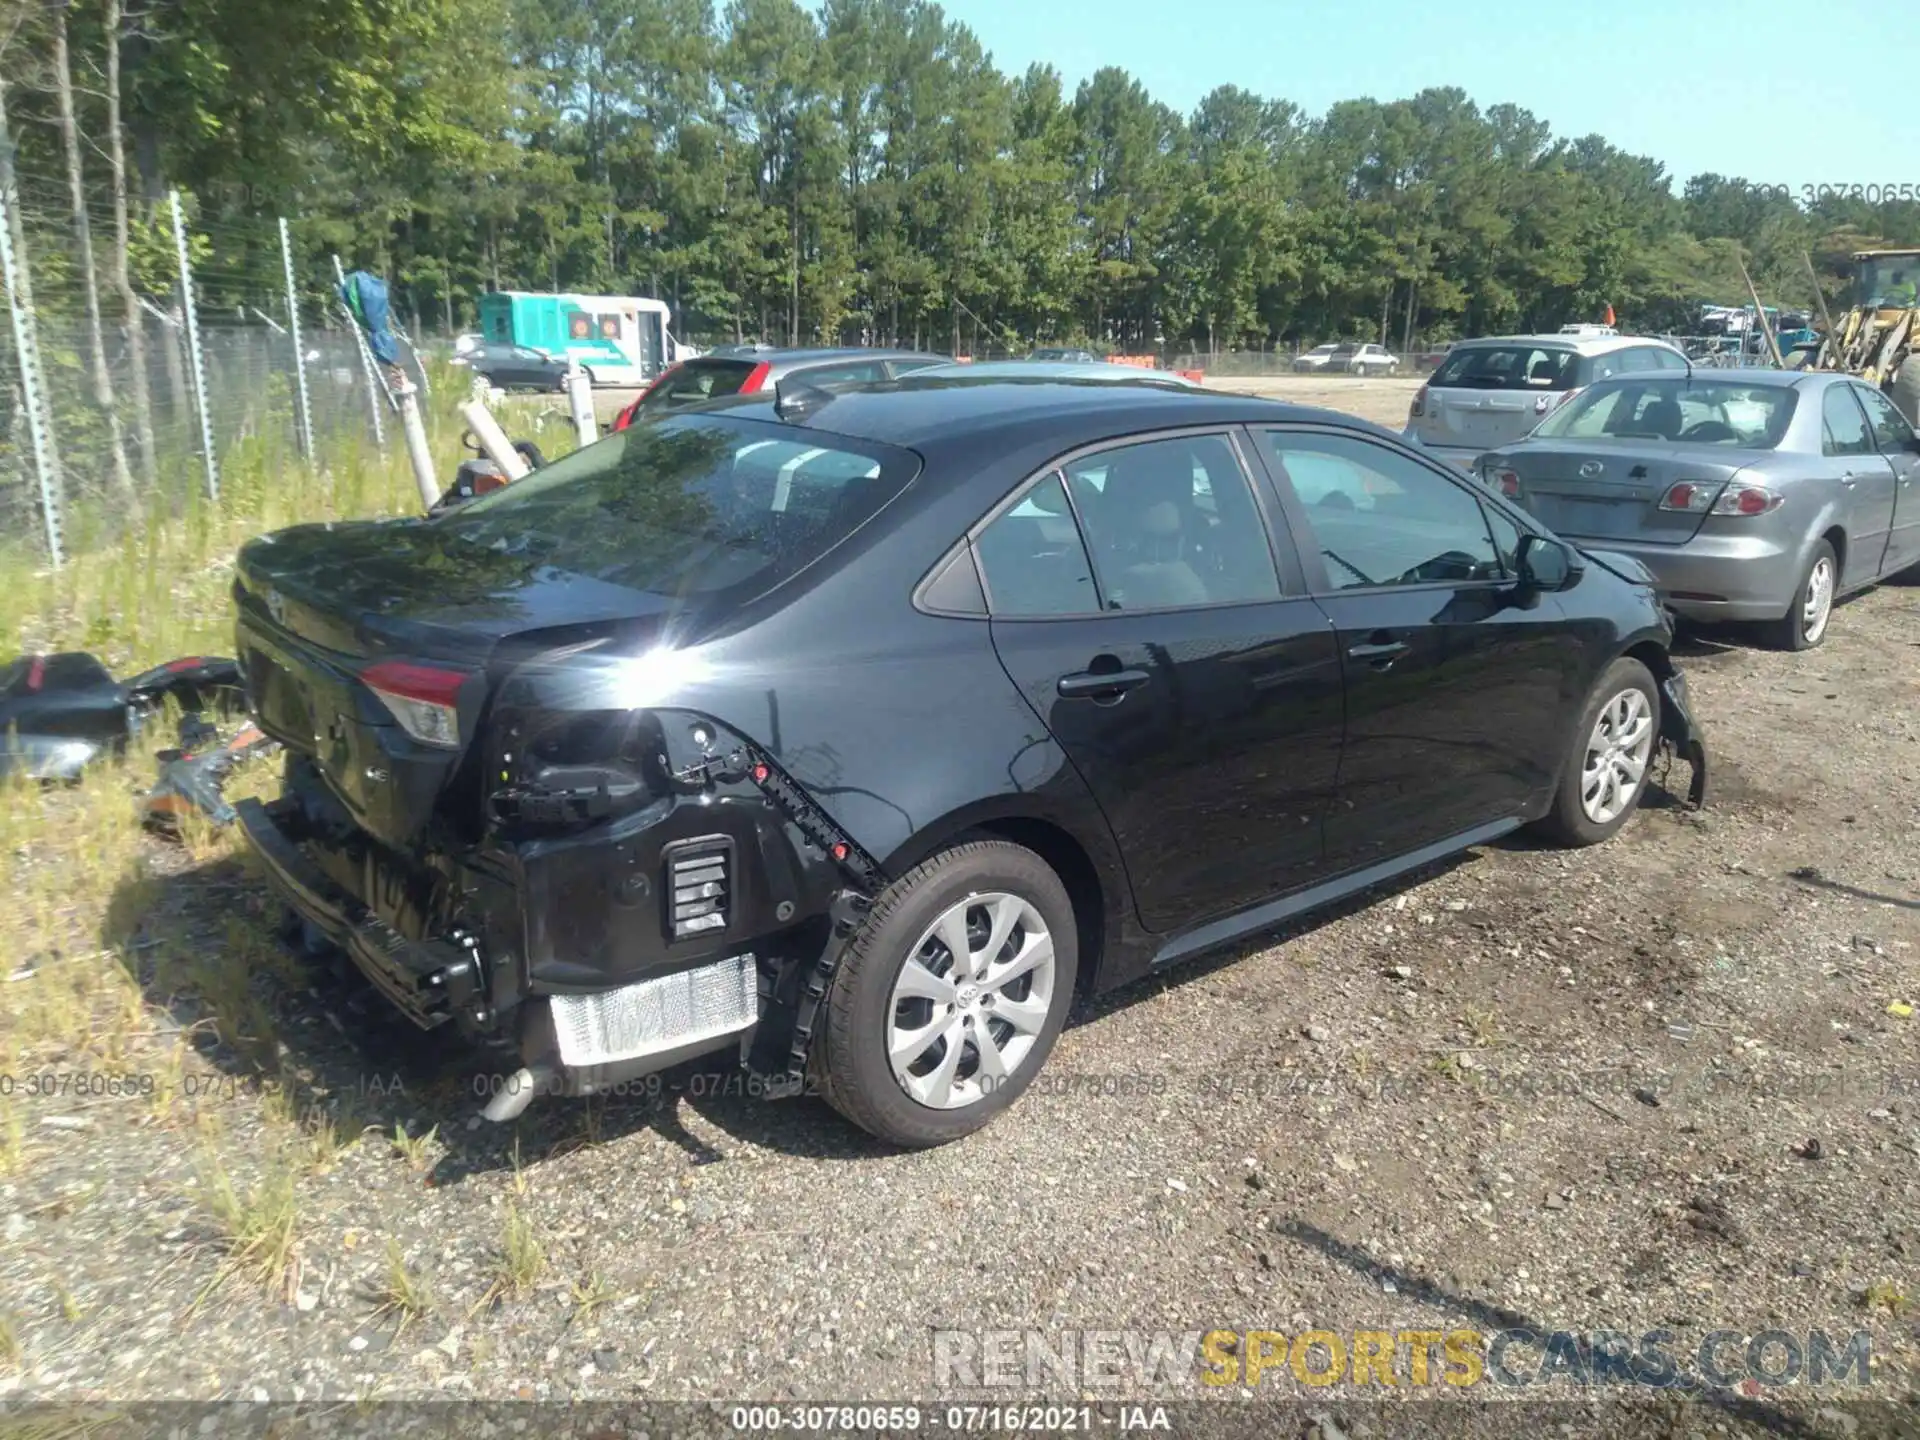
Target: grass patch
[416, 1150]
[258, 1226]
[520, 1261]
[401, 1294]
[87, 935]
[1884, 1295]
[590, 1296]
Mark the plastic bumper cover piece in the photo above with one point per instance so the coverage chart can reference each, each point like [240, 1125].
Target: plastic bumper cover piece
[1678, 728]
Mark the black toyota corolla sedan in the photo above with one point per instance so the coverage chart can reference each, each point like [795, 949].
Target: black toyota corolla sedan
[862, 732]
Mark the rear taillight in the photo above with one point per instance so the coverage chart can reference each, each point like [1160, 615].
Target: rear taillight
[1710, 497]
[756, 377]
[1506, 482]
[1419, 406]
[424, 700]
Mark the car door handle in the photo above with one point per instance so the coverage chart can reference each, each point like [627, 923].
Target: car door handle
[1378, 653]
[1849, 479]
[1100, 684]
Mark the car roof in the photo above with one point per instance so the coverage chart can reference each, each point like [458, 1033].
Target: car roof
[1058, 370]
[930, 413]
[1584, 344]
[788, 356]
[1734, 375]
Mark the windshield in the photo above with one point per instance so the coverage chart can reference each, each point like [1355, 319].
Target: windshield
[1508, 367]
[1889, 280]
[695, 505]
[1686, 411]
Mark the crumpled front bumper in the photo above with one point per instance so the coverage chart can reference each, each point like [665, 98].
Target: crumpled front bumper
[1682, 732]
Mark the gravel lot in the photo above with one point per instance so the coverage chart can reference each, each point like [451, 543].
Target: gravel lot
[1657, 1085]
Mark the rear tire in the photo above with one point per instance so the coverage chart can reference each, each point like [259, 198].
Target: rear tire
[914, 1032]
[1806, 621]
[1605, 772]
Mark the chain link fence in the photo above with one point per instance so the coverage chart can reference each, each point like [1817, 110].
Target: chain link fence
[118, 402]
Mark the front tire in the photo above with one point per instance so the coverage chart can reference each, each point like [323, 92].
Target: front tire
[1805, 623]
[1605, 772]
[950, 997]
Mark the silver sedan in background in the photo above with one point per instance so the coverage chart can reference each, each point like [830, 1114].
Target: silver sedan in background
[1753, 495]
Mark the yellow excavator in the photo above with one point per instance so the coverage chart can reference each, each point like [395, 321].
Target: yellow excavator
[1879, 338]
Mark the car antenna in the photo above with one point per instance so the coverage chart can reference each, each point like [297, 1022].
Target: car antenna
[795, 399]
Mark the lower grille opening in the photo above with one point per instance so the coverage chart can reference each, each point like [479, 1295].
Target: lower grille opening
[699, 887]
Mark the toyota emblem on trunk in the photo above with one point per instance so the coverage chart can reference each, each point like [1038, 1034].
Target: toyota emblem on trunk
[1590, 469]
[277, 607]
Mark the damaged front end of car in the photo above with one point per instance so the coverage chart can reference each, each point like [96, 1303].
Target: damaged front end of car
[1680, 734]
[605, 886]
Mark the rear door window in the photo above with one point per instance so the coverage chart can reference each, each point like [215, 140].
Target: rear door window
[1172, 523]
[1891, 432]
[1509, 367]
[1844, 424]
[1033, 559]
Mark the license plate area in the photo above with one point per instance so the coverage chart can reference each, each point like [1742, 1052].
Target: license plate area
[278, 698]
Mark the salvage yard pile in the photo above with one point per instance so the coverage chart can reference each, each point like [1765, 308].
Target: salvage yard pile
[1671, 1083]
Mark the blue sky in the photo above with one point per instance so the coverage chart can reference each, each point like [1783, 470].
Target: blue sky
[1741, 87]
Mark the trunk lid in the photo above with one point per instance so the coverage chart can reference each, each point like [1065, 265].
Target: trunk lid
[320, 604]
[1481, 418]
[1612, 492]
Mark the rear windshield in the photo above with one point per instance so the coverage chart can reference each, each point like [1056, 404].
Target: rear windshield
[1687, 411]
[693, 506]
[695, 381]
[1509, 367]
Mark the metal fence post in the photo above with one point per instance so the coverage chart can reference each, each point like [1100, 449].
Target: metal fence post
[196, 361]
[374, 384]
[299, 350]
[46, 454]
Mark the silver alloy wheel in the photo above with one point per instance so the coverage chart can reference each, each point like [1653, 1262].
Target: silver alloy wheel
[1617, 755]
[970, 1001]
[1818, 605]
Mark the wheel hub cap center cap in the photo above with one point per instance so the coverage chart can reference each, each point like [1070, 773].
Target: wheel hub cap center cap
[968, 994]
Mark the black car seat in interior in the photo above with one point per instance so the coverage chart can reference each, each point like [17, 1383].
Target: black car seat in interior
[1150, 526]
[1661, 418]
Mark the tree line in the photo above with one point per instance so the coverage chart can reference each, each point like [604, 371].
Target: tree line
[863, 170]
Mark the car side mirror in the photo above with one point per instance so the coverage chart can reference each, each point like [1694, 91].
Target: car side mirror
[1545, 564]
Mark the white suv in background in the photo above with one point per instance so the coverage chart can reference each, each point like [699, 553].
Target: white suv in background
[1491, 392]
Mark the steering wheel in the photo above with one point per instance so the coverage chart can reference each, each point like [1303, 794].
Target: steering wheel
[1708, 431]
[1336, 500]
